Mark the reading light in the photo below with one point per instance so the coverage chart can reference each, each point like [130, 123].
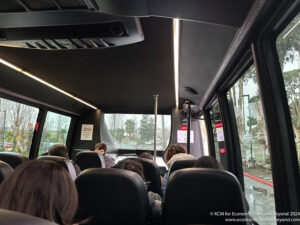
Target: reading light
[6, 63]
[176, 58]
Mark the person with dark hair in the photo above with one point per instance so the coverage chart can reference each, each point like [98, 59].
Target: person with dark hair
[61, 150]
[208, 162]
[40, 188]
[173, 153]
[146, 155]
[211, 162]
[58, 150]
[136, 166]
[101, 148]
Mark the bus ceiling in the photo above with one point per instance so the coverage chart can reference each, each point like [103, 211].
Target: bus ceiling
[130, 59]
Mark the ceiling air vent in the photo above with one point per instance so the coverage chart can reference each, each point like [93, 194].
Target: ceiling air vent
[65, 29]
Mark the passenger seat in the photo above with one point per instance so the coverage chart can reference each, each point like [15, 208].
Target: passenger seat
[203, 196]
[8, 217]
[5, 170]
[89, 159]
[112, 197]
[152, 174]
[63, 161]
[12, 158]
[181, 164]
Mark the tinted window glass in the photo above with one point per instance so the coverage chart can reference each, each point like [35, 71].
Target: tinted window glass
[136, 131]
[288, 48]
[55, 131]
[254, 147]
[17, 122]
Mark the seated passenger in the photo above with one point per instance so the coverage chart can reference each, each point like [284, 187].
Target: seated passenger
[101, 148]
[173, 153]
[61, 150]
[146, 155]
[40, 188]
[211, 162]
[208, 162]
[137, 167]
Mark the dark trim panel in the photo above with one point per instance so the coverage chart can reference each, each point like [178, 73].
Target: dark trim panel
[32, 102]
[37, 134]
[275, 105]
[236, 50]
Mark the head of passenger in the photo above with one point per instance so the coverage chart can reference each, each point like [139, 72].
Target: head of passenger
[131, 165]
[146, 155]
[174, 150]
[58, 150]
[101, 148]
[42, 189]
[208, 162]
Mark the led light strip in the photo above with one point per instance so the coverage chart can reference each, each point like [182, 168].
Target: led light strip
[176, 58]
[4, 62]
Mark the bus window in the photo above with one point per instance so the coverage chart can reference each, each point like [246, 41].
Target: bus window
[288, 48]
[55, 131]
[135, 131]
[17, 122]
[254, 147]
[204, 136]
[215, 120]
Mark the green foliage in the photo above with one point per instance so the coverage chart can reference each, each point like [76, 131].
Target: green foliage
[251, 121]
[120, 134]
[9, 136]
[146, 128]
[286, 44]
[130, 127]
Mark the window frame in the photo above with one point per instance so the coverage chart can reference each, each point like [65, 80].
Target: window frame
[260, 48]
[37, 134]
[275, 105]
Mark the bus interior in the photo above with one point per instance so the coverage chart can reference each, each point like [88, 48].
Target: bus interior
[219, 77]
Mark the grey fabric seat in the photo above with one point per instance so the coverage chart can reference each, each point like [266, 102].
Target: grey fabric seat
[5, 170]
[8, 217]
[12, 158]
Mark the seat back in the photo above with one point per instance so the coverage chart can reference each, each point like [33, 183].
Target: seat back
[89, 159]
[193, 196]
[5, 170]
[12, 158]
[63, 161]
[15, 218]
[181, 164]
[112, 197]
[152, 174]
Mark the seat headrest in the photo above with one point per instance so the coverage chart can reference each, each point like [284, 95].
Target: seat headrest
[5, 170]
[12, 158]
[66, 163]
[193, 194]
[181, 164]
[152, 174]
[112, 197]
[15, 218]
[89, 159]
